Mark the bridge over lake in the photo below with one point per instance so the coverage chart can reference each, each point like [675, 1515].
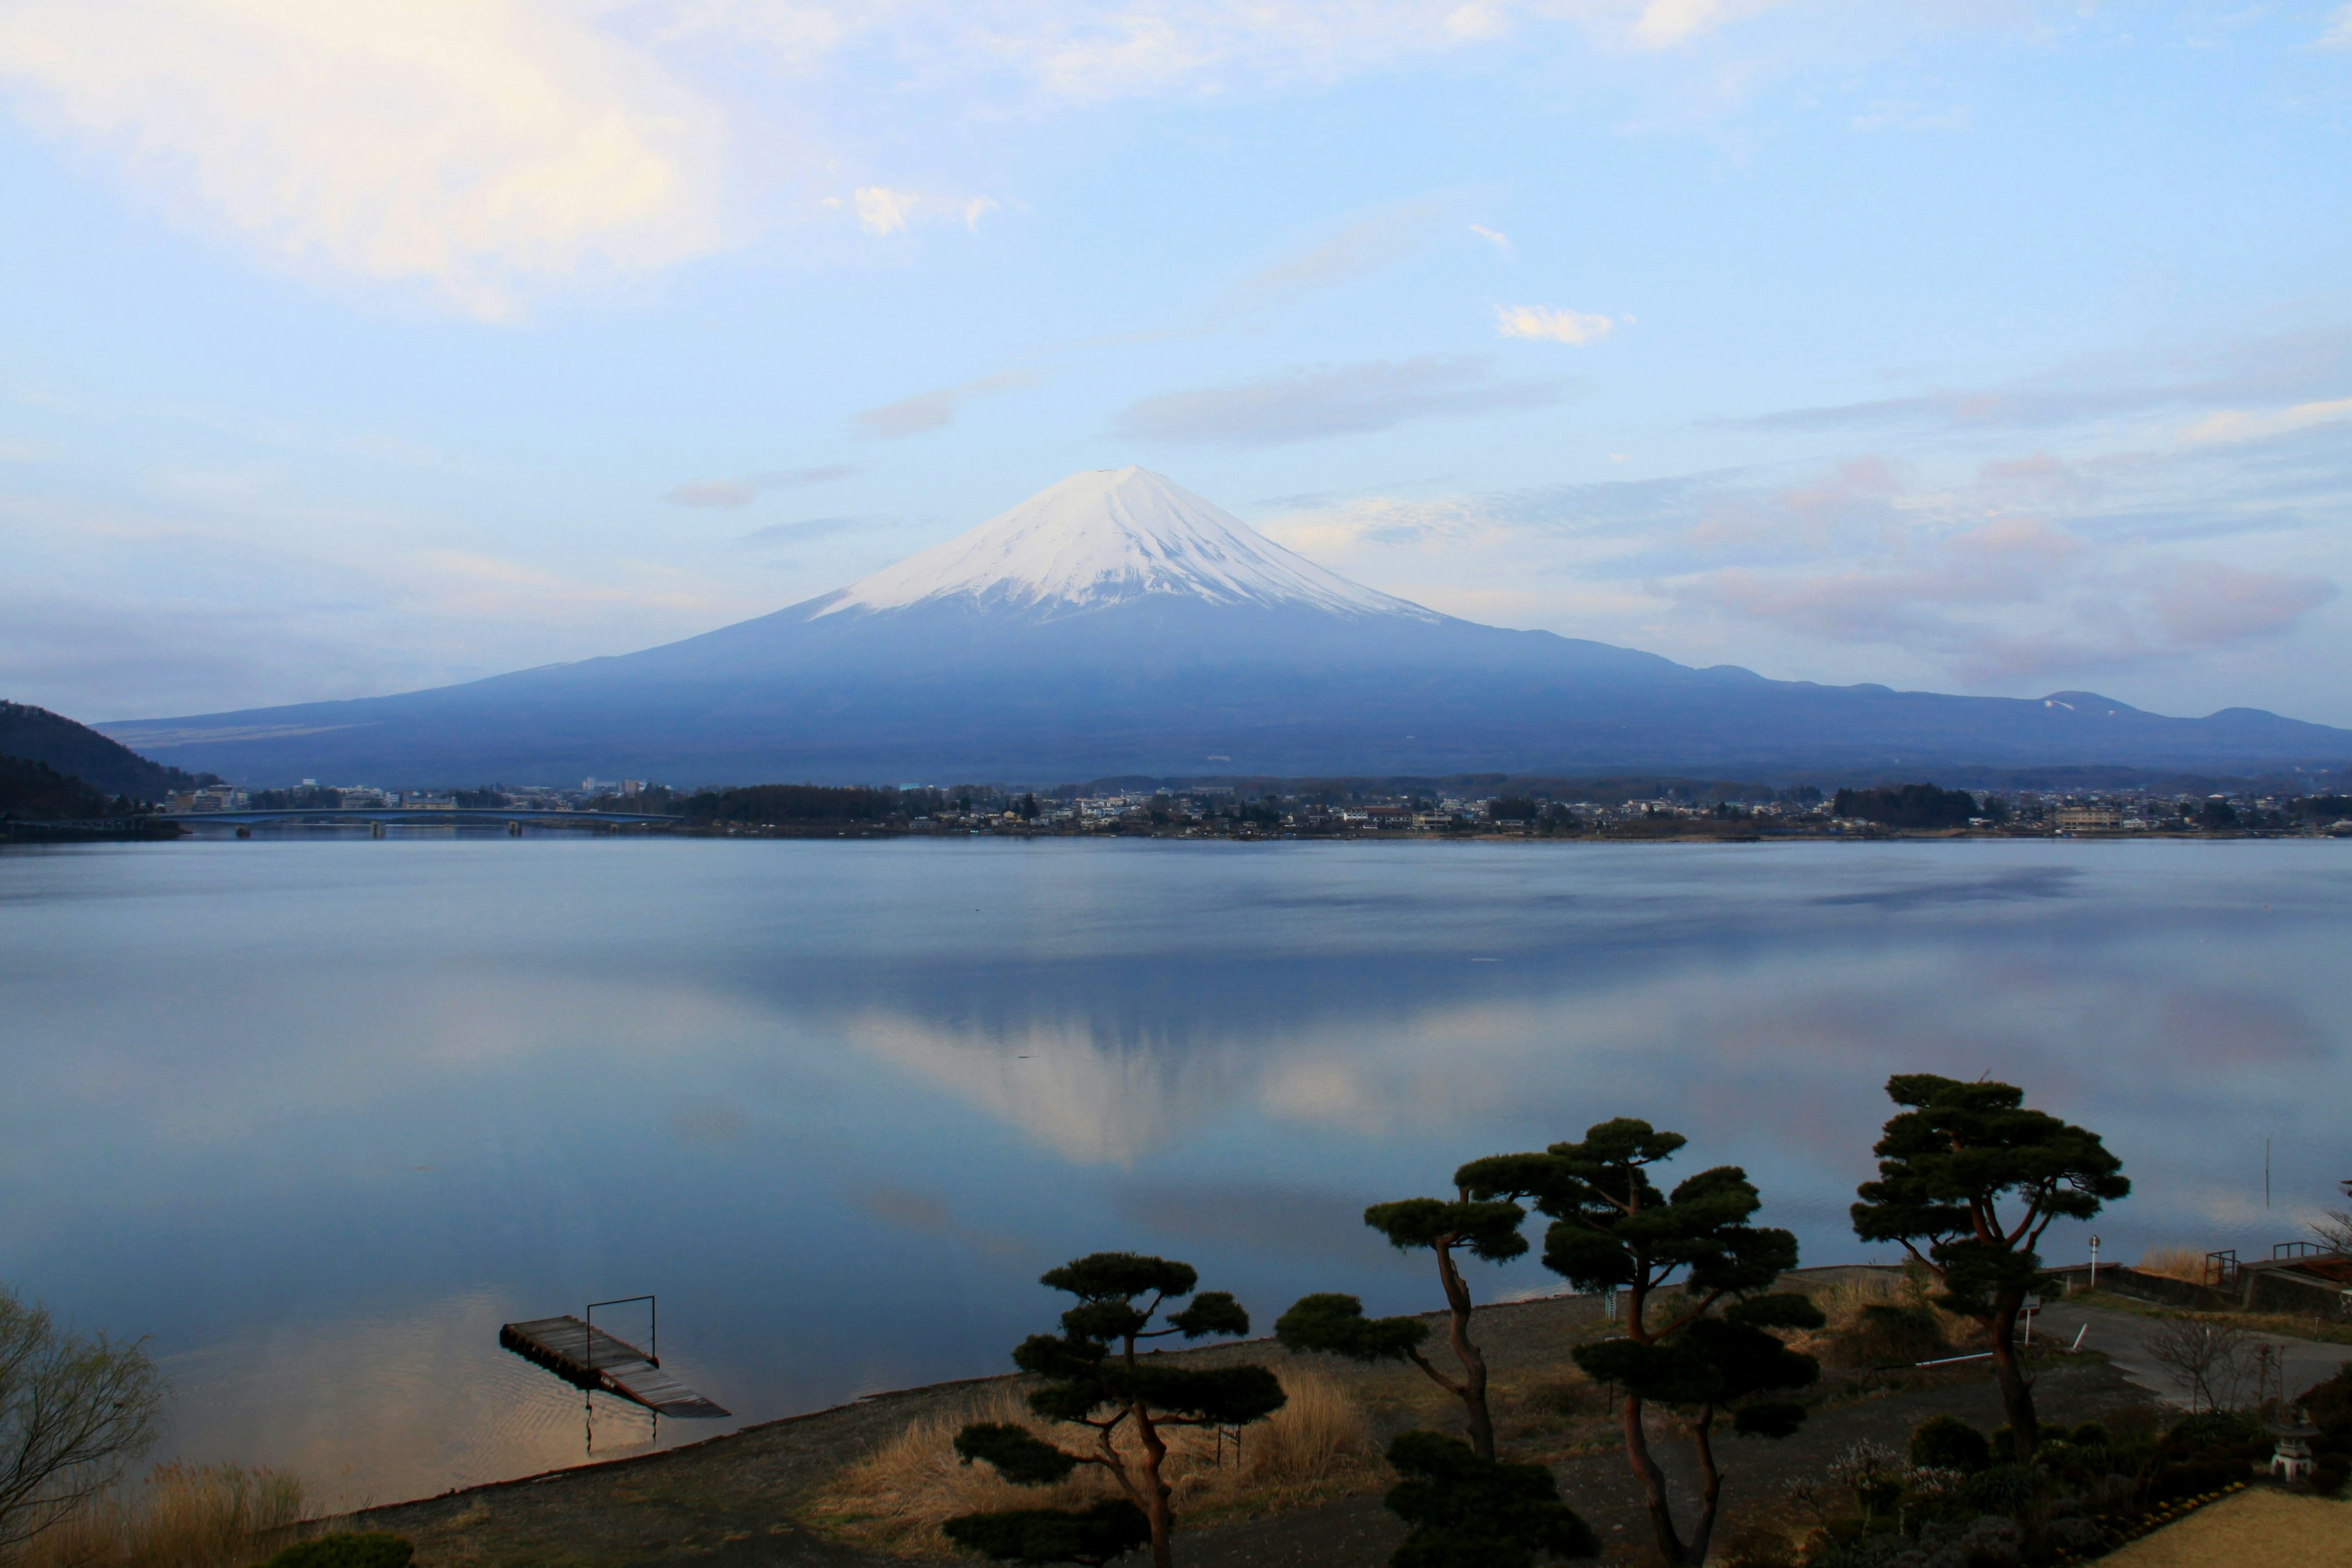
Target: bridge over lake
[425, 816]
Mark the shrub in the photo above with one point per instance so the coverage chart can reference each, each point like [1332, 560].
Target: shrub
[1949, 1443]
[1885, 1333]
[347, 1549]
[1462, 1510]
[2000, 1488]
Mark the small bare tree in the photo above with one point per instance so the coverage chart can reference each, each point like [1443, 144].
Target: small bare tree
[2207, 1359]
[2335, 1230]
[75, 1414]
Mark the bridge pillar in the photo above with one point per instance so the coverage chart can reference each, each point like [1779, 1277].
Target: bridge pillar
[375, 830]
[514, 829]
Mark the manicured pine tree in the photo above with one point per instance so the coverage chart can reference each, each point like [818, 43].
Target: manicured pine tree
[1335, 1324]
[1095, 1378]
[1968, 1181]
[1612, 1228]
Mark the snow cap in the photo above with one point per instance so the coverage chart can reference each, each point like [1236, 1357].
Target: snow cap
[1109, 535]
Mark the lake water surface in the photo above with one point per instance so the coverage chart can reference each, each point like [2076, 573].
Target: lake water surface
[317, 1114]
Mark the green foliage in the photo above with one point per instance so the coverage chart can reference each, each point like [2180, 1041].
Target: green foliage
[1948, 1162]
[347, 1549]
[1611, 1227]
[789, 804]
[1092, 1536]
[1713, 1361]
[1093, 1378]
[36, 792]
[1019, 1456]
[1336, 1325]
[2000, 1488]
[1488, 1230]
[1908, 805]
[1949, 1443]
[2329, 1406]
[1463, 1511]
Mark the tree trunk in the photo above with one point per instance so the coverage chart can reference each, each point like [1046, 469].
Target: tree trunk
[2016, 1388]
[1473, 1363]
[1654, 1482]
[1710, 1486]
[1155, 1490]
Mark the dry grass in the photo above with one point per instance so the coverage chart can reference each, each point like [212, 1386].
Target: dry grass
[183, 1516]
[2259, 1525]
[2174, 1263]
[897, 1497]
[1849, 1337]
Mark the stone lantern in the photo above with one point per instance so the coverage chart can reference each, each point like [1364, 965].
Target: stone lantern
[2291, 1460]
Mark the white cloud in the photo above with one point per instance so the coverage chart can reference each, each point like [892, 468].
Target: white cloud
[1547, 325]
[2238, 425]
[883, 211]
[1664, 23]
[1494, 237]
[932, 410]
[1100, 53]
[476, 146]
[2339, 30]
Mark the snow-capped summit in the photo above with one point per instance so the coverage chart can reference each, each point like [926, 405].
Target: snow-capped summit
[1108, 536]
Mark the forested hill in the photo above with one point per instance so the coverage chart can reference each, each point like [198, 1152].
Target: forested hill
[78, 751]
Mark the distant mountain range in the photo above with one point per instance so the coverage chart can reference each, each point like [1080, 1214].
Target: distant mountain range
[1118, 624]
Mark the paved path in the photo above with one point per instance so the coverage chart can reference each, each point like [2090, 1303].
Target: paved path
[2123, 1337]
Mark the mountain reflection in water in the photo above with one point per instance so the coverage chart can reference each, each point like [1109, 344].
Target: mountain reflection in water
[318, 1115]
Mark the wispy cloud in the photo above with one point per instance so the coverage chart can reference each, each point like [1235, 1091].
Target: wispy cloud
[2338, 34]
[933, 410]
[1547, 325]
[1494, 237]
[1364, 246]
[2241, 425]
[800, 533]
[882, 211]
[742, 492]
[2263, 371]
[1307, 404]
[483, 155]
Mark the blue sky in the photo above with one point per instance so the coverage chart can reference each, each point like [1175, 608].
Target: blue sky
[1995, 347]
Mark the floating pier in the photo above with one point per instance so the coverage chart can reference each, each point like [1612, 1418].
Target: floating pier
[587, 1357]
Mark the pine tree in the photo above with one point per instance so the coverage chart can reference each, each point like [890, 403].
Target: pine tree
[1947, 1166]
[1095, 1378]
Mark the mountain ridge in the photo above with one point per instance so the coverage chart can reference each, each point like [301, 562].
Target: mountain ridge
[1117, 624]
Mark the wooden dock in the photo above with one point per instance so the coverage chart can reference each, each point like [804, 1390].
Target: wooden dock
[590, 1358]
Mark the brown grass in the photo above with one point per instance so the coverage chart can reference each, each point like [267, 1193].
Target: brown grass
[183, 1516]
[2174, 1263]
[2258, 1525]
[1845, 1301]
[897, 1497]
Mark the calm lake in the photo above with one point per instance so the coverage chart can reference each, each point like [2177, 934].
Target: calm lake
[317, 1114]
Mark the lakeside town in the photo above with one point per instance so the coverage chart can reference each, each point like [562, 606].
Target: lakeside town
[1324, 809]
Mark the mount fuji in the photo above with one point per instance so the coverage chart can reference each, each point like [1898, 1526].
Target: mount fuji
[1118, 624]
